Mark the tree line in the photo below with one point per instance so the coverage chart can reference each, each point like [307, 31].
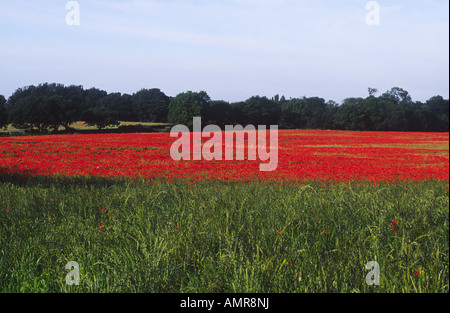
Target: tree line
[48, 107]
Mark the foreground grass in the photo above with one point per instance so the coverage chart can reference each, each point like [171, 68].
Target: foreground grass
[222, 237]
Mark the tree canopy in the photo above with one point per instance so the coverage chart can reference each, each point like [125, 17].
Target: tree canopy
[3, 112]
[52, 106]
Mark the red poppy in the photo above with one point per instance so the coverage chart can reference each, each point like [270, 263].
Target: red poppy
[394, 222]
[291, 264]
[101, 226]
[395, 232]
[325, 231]
[416, 272]
[361, 158]
[279, 233]
[392, 226]
[8, 208]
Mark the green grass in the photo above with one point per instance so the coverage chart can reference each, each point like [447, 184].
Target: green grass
[222, 237]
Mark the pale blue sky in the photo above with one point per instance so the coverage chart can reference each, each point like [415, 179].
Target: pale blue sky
[232, 49]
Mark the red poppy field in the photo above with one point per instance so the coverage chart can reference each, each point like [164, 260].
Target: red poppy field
[303, 155]
[136, 221]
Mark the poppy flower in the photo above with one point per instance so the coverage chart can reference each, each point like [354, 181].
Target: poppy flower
[315, 165]
[416, 272]
[101, 226]
[8, 208]
[394, 222]
[291, 264]
[325, 231]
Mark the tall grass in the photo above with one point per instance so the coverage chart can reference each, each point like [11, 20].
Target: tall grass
[222, 237]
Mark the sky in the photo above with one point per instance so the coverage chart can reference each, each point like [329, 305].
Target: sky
[232, 49]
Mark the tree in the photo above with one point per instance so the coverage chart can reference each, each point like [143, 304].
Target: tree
[27, 114]
[328, 116]
[52, 106]
[74, 94]
[415, 120]
[398, 95]
[261, 111]
[91, 99]
[100, 117]
[351, 115]
[187, 105]
[45, 106]
[436, 113]
[59, 111]
[315, 112]
[150, 105]
[395, 119]
[19, 94]
[373, 110]
[122, 105]
[372, 91]
[3, 112]
[218, 113]
[292, 114]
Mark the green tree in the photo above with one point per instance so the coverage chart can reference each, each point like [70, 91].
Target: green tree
[45, 106]
[351, 115]
[415, 120]
[328, 116]
[59, 112]
[398, 95]
[91, 99]
[219, 113]
[373, 113]
[261, 111]
[436, 114]
[315, 112]
[19, 94]
[150, 105]
[372, 91]
[293, 114]
[3, 112]
[187, 105]
[27, 114]
[74, 94]
[395, 117]
[100, 117]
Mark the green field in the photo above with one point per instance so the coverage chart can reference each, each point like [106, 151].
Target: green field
[222, 237]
